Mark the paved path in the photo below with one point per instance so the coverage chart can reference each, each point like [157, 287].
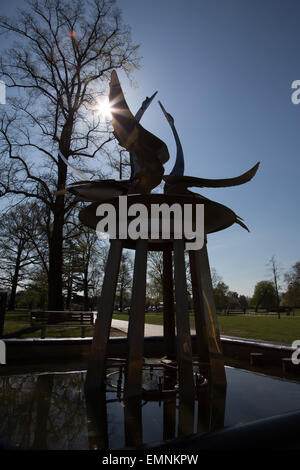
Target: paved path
[150, 330]
[157, 330]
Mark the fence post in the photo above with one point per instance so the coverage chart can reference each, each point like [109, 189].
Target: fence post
[3, 299]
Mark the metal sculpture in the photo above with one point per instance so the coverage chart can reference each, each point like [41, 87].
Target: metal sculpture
[148, 155]
[150, 151]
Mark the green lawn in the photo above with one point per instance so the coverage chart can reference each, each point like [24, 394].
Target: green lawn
[269, 328]
[17, 325]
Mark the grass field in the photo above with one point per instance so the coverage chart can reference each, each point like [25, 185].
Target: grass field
[269, 328]
[17, 325]
[265, 327]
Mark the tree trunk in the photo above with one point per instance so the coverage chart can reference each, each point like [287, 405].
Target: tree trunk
[12, 297]
[42, 302]
[55, 277]
[55, 282]
[69, 294]
[14, 284]
[86, 290]
[121, 299]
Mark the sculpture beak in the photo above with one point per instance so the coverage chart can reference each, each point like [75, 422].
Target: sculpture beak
[151, 97]
[163, 109]
[167, 115]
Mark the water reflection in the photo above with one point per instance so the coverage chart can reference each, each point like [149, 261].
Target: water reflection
[43, 411]
[50, 411]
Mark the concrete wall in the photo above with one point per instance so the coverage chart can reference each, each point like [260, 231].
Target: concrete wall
[236, 352]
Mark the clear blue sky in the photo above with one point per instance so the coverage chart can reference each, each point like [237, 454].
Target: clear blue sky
[223, 69]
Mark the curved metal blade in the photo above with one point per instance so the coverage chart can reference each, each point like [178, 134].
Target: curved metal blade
[149, 149]
[184, 182]
[145, 105]
[135, 167]
[178, 168]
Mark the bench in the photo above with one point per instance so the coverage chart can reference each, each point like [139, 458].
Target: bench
[236, 311]
[48, 318]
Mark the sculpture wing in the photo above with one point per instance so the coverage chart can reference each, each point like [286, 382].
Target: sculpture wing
[178, 168]
[134, 163]
[151, 152]
[99, 191]
[184, 182]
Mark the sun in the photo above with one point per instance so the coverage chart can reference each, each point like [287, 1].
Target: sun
[102, 108]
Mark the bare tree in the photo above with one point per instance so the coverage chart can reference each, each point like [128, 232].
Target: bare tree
[60, 63]
[85, 256]
[215, 278]
[275, 270]
[155, 276]
[124, 279]
[17, 253]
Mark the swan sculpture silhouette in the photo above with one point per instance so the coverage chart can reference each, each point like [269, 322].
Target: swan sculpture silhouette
[148, 154]
[177, 183]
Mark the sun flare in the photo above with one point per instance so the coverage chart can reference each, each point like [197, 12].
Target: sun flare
[103, 110]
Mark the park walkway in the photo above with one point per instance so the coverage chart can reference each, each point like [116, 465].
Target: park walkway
[150, 330]
[157, 330]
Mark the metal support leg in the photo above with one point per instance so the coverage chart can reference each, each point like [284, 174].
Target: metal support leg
[169, 319]
[133, 379]
[96, 367]
[184, 346]
[202, 278]
[199, 314]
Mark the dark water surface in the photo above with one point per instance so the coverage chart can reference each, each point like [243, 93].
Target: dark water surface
[50, 411]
